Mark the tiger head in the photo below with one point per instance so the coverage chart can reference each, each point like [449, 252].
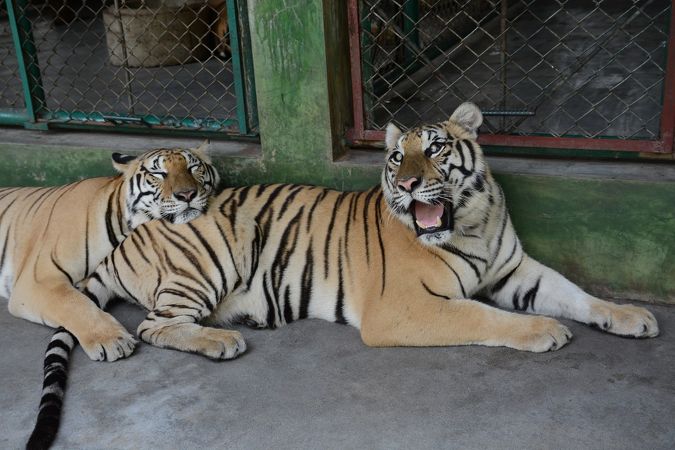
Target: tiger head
[432, 173]
[172, 184]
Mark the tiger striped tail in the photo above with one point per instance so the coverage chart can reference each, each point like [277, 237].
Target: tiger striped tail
[56, 362]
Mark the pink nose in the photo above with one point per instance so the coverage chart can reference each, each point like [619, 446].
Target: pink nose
[186, 195]
[408, 184]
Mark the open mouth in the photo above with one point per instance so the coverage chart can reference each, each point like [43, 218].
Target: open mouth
[431, 218]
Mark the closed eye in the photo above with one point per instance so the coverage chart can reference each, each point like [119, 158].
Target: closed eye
[159, 174]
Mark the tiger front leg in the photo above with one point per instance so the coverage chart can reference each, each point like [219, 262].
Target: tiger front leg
[101, 336]
[182, 333]
[533, 287]
[431, 321]
[174, 324]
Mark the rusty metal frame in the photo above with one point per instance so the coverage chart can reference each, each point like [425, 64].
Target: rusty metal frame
[359, 135]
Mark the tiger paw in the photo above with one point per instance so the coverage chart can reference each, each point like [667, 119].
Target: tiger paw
[624, 320]
[110, 348]
[222, 344]
[542, 334]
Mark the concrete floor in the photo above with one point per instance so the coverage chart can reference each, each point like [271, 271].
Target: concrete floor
[315, 385]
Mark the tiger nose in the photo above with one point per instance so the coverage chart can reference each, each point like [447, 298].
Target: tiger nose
[186, 195]
[409, 184]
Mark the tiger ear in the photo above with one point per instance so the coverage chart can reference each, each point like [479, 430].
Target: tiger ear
[469, 117]
[392, 134]
[121, 162]
[202, 152]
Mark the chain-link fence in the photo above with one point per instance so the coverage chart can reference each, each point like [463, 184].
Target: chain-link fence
[169, 64]
[593, 68]
[11, 96]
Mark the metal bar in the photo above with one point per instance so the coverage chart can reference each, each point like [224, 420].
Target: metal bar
[368, 53]
[507, 140]
[26, 54]
[156, 131]
[149, 120]
[506, 112]
[122, 119]
[247, 59]
[355, 57]
[668, 112]
[619, 145]
[14, 117]
[237, 73]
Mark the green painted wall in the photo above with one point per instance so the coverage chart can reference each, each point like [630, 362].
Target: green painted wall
[615, 238]
[301, 69]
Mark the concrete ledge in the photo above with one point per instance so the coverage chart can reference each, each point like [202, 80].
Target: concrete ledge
[117, 142]
[50, 158]
[556, 167]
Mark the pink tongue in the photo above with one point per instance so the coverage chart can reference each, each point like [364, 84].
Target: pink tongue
[427, 214]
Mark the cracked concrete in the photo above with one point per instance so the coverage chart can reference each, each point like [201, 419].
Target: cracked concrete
[313, 384]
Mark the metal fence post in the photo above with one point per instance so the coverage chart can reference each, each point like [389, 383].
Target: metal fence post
[26, 54]
[244, 34]
[237, 73]
[367, 61]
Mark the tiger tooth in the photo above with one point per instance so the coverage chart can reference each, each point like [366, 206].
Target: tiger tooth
[438, 223]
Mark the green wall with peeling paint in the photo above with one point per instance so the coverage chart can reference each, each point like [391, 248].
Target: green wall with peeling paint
[615, 238]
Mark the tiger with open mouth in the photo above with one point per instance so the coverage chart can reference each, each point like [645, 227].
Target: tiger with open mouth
[403, 262]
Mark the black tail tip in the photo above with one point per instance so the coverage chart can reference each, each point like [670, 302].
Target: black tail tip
[42, 438]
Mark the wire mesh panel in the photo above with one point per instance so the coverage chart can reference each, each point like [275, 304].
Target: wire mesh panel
[156, 63]
[554, 67]
[11, 96]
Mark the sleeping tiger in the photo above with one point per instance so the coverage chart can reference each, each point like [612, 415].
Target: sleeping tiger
[51, 238]
[402, 262]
